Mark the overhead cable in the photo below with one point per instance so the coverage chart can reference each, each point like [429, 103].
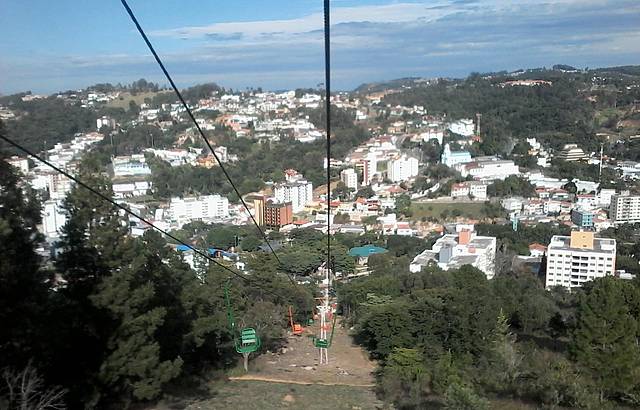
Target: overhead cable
[327, 84]
[193, 119]
[131, 213]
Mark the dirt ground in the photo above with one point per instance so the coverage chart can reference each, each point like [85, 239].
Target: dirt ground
[298, 363]
[293, 379]
[255, 395]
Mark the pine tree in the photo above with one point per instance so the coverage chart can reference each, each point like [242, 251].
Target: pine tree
[604, 341]
[143, 298]
[504, 360]
[23, 284]
[93, 246]
[93, 239]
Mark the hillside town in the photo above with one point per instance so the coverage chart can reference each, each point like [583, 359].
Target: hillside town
[387, 185]
[485, 228]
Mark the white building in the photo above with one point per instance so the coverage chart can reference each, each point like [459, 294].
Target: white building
[625, 209]
[452, 251]
[131, 188]
[53, 218]
[489, 168]
[402, 168]
[469, 189]
[464, 127]
[349, 177]
[175, 157]
[22, 164]
[576, 259]
[512, 204]
[586, 202]
[211, 207]
[433, 132]
[299, 193]
[105, 122]
[369, 168]
[571, 152]
[130, 165]
[605, 196]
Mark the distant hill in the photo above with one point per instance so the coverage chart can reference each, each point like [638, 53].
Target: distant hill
[385, 85]
[633, 70]
[529, 73]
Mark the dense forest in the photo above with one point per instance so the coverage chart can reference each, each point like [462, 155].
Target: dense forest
[570, 110]
[42, 123]
[455, 340]
[509, 113]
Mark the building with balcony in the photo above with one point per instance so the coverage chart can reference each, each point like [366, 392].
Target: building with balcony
[277, 215]
[349, 177]
[625, 208]
[402, 168]
[579, 258]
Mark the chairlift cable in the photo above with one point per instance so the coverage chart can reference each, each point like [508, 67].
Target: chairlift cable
[193, 119]
[131, 213]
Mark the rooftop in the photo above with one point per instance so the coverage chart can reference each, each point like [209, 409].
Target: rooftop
[604, 245]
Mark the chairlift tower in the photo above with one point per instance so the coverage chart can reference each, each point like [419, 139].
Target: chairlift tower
[324, 315]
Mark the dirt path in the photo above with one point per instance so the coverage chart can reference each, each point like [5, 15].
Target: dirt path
[248, 377]
[348, 365]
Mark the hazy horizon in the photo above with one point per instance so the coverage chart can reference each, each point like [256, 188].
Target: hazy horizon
[60, 46]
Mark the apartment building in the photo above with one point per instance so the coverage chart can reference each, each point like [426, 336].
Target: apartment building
[299, 193]
[209, 207]
[277, 215]
[402, 168]
[582, 218]
[625, 208]
[349, 177]
[579, 258]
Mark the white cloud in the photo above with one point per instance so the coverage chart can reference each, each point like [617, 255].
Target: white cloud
[444, 37]
[391, 13]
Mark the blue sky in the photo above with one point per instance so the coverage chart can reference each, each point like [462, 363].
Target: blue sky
[66, 44]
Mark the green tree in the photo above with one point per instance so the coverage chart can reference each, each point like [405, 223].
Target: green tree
[386, 327]
[459, 397]
[404, 378]
[143, 298]
[521, 148]
[570, 187]
[250, 243]
[511, 186]
[340, 192]
[604, 341]
[93, 246]
[23, 283]
[403, 205]
[505, 361]
[365, 192]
